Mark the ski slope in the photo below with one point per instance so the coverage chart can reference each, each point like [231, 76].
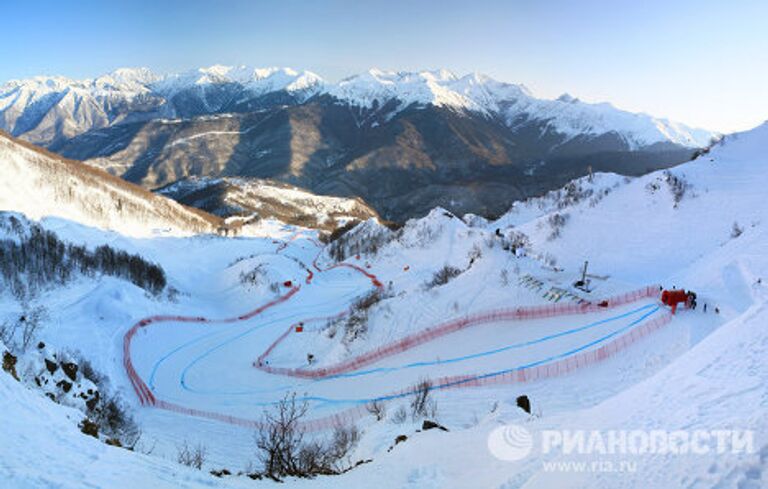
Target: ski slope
[200, 366]
[628, 366]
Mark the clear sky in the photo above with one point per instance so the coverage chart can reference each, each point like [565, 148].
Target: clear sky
[701, 62]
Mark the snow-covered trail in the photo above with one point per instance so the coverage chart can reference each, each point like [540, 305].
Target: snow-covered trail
[530, 352]
[205, 366]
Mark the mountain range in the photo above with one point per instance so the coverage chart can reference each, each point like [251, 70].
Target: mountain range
[403, 141]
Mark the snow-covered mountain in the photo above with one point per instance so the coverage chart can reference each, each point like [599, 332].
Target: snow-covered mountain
[698, 226]
[40, 184]
[256, 81]
[32, 107]
[47, 109]
[514, 103]
[247, 197]
[405, 142]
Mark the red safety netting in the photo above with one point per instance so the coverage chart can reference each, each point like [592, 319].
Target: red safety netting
[434, 332]
[142, 391]
[344, 417]
[145, 395]
[527, 374]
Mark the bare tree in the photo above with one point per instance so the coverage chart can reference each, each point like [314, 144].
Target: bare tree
[736, 230]
[253, 277]
[39, 258]
[443, 276]
[504, 277]
[191, 456]
[284, 451]
[400, 415]
[6, 333]
[556, 222]
[355, 324]
[318, 458]
[281, 438]
[377, 409]
[114, 419]
[678, 186]
[344, 440]
[422, 404]
[30, 322]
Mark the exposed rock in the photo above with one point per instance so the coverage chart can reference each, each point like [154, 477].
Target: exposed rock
[70, 369]
[113, 442]
[89, 428]
[51, 366]
[64, 385]
[9, 364]
[430, 425]
[524, 403]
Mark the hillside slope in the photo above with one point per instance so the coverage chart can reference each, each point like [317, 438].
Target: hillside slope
[405, 142]
[667, 220]
[40, 184]
[44, 448]
[228, 197]
[702, 370]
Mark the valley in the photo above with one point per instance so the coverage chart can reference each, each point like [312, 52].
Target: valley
[224, 347]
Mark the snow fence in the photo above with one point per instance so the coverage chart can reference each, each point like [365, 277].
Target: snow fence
[360, 410]
[526, 374]
[432, 333]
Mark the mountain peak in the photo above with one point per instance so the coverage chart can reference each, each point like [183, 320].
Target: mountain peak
[474, 92]
[256, 80]
[439, 75]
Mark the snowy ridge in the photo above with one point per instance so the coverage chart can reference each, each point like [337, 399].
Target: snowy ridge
[258, 81]
[229, 196]
[376, 86]
[32, 106]
[572, 117]
[40, 185]
[702, 371]
[515, 103]
[46, 109]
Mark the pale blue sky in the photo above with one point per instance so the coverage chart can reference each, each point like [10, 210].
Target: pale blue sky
[701, 62]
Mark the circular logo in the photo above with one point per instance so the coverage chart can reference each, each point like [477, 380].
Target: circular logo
[510, 442]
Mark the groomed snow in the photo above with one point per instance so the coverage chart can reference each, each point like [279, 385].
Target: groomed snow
[701, 371]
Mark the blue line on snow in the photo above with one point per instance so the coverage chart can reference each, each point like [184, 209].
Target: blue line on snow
[457, 359]
[499, 372]
[221, 330]
[498, 350]
[323, 400]
[182, 380]
[337, 402]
